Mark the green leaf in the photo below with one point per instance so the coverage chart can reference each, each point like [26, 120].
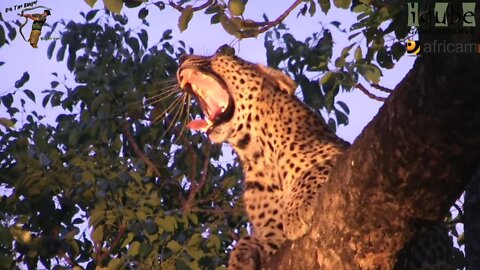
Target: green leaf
[174, 246]
[6, 122]
[145, 249]
[398, 50]
[324, 5]
[185, 18]
[312, 9]
[167, 35]
[11, 31]
[91, 14]
[143, 13]
[384, 58]
[97, 234]
[236, 7]
[72, 57]
[229, 26]
[326, 77]
[91, 2]
[50, 49]
[132, 3]
[133, 248]
[370, 72]
[358, 53]
[168, 223]
[143, 36]
[115, 264]
[96, 216]
[340, 62]
[194, 240]
[196, 253]
[29, 94]
[215, 240]
[25, 77]
[329, 100]
[61, 53]
[114, 6]
[342, 3]
[342, 119]
[343, 106]
[3, 40]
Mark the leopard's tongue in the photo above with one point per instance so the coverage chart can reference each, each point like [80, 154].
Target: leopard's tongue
[211, 111]
[198, 125]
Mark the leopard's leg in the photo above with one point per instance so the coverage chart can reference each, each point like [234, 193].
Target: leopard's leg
[263, 205]
[300, 201]
[249, 254]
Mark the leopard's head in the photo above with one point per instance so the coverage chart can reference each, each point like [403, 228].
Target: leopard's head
[229, 91]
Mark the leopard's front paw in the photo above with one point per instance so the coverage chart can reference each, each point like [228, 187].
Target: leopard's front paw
[244, 256]
[297, 220]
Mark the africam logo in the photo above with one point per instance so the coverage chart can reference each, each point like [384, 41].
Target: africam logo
[413, 47]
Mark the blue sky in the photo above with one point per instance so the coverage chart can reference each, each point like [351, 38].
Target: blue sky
[205, 39]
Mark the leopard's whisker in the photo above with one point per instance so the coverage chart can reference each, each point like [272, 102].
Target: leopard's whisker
[164, 91]
[187, 116]
[159, 98]
[169, 108]
[177, 114]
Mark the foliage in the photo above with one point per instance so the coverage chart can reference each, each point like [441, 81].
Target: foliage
[86, 167]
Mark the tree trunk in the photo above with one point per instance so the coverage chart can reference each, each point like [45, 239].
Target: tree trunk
[472, 223]
[403, 172]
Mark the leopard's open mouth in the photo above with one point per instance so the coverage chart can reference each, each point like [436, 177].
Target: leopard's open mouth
[210, 92]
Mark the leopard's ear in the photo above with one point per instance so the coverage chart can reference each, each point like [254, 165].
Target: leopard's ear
[285, 83]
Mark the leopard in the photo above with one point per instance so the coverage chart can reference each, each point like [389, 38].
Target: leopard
[285, 148]
[287, 152]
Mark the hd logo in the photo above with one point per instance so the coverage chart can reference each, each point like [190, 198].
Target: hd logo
[413, 47]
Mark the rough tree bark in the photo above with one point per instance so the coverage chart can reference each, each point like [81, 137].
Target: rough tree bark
[403, 172]
[472, 223]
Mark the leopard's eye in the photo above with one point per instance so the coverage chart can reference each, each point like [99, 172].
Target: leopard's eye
[226, 50]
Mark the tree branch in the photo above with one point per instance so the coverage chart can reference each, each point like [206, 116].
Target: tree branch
[368, 94]
[180, 8]
[114, 244]
[138, 152]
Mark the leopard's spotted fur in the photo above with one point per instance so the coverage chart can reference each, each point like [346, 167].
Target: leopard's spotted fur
[286, 150]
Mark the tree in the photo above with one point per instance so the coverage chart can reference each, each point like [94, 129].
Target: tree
[155, 195]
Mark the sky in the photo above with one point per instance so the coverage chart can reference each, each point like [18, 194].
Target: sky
[203, 37]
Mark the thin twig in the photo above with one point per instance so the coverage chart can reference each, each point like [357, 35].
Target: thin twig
[382, 88]
[206, 162]
[137, 150]
[67, 258]
[180, 8]
[114, 244]
[265, 26]
[370, 95]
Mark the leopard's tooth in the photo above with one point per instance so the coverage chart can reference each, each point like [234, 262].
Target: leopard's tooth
[183, 82]
[195, 88]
